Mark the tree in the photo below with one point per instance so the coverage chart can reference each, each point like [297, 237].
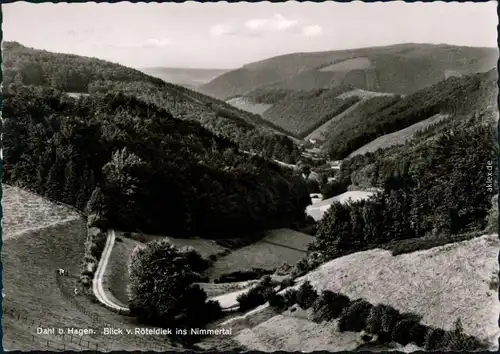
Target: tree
[306, 295]
[354, 318]
[329, 305]
[161, 286]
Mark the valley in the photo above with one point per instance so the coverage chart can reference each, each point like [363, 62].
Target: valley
[308, 201]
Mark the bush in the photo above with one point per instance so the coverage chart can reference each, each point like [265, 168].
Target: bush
[306, 295]
[277, 302]
[329, 306]
[290, 297]
[459, 341]
[94, 246]
[258, 295]
[389, 319]
[436, 339]
[213, 311]
[286, 283]
[195, 260]
[354, 317]
[406, 331]
[283, 269]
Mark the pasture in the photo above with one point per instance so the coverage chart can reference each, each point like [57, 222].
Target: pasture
[23, 210]
[442, 284]
[35, 296]
[276, 248]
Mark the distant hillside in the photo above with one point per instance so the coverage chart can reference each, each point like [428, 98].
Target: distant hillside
[76, 74]
[383, 115]
[402, 68]
[189, 78]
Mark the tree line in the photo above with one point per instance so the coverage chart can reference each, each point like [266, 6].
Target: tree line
[437, 188]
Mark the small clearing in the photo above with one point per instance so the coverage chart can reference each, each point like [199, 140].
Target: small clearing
[442, 284]
[400, 137]
[24, 211]
[246, 105]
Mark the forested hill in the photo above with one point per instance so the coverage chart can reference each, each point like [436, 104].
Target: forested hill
[456, 96]
[72, 73]
[136, 166]
[401, 69]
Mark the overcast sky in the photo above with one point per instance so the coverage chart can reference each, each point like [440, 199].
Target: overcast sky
[222, 35]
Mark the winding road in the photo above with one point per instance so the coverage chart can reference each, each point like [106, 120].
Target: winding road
[97, 284]
[227, 301]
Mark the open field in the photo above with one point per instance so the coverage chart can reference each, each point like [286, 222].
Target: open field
[271, 252]
[33, 292]
[400, 137]
[349, 64]
[441, 284]
[23, 210]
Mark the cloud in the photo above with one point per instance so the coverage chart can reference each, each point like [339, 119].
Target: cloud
[275, 23]
[312, 30]
[220, 30]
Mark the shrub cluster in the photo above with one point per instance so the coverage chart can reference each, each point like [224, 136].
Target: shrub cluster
[383, 321]
[329, 306]
[258, 295]
[94, 246]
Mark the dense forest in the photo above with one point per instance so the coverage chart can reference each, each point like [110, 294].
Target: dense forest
[141, 169]
[453, 96]
[301, 112]
[434, 187]
[76, 74]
